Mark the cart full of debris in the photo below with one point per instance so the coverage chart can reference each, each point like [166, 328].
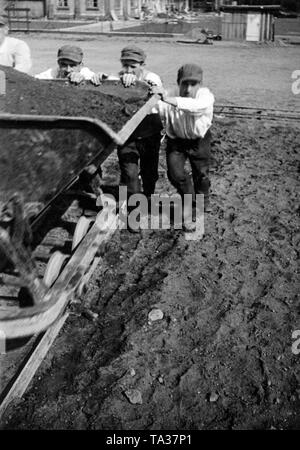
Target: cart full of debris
[53, 134]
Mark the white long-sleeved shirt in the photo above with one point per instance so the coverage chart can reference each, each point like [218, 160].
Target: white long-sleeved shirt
[51, 74]
[150, 78]
[15, 53]
[191, 118]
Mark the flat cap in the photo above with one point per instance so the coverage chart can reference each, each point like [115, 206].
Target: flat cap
[71, 53]
[190, 72]
[133, 53]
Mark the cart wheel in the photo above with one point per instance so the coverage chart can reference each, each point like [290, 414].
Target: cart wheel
[82, 227]
[54, 267]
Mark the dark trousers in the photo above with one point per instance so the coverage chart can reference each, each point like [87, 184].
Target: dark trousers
[145, 150]
[198, 153]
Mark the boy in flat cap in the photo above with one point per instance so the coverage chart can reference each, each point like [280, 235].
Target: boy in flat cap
[13, 52]
[69, 65]
[145, 143]
[143, 146]
[133, 67]
[188, 116]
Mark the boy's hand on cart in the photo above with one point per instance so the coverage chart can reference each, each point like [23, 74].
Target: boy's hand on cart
[97, 78]
[158, 90]
[128, 79]
[151, 83]
[76, 77]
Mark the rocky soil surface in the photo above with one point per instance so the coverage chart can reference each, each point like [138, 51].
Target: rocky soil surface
[219, 354]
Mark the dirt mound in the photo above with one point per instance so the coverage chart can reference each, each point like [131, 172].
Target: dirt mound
[221, 357]
[39, 163]
[109, 103]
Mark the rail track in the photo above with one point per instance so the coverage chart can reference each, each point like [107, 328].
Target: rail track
[70, 235]
[244, 112]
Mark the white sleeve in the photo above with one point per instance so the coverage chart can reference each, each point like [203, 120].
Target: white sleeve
[153, 79]
[22, 57]
[161, 108]
[198, 104]
[49, 74]
[113, 78]
[87, 73]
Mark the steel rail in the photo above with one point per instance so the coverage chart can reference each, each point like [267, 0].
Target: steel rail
[258, 113]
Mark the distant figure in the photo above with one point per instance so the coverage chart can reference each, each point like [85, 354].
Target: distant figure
[13, 52]
[69, 66]
[204, 37]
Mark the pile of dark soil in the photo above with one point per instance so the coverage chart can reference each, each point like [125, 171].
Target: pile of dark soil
[109, 102]
[221, 357]
[40, 163]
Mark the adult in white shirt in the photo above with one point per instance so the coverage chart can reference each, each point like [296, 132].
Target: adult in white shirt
[69, 66]
[188, 116]
[13, 52]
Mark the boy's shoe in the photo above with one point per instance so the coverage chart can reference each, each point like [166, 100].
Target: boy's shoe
[189, 227]
[194, 233]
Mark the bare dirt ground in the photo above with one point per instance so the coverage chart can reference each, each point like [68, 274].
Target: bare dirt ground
[221, 357]
[258, 75]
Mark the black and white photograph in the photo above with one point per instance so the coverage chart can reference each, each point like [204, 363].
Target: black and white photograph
[149, 218]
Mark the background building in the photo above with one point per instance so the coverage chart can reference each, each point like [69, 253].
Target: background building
[100, 9]
[93, 9]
